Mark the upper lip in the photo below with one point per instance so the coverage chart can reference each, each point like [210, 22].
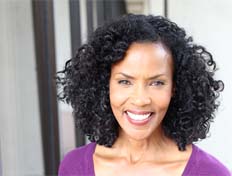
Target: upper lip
[139, 112]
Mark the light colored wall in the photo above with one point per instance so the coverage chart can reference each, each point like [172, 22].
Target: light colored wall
[21, 150]
[209, 23]
[63, 53]
[145, 6]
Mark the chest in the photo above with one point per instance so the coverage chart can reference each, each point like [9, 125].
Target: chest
[102, 168]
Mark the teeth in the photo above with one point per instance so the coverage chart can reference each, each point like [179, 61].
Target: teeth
[138, 117]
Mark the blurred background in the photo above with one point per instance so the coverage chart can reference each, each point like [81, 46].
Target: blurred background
[38, 36]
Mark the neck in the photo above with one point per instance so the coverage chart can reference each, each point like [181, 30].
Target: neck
[154, 147]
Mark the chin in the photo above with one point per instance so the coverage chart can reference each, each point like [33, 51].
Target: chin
[137, 134]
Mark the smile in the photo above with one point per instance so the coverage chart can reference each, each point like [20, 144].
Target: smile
[138, 118]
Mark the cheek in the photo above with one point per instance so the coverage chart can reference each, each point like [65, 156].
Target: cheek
[163, 100]
[117, 96]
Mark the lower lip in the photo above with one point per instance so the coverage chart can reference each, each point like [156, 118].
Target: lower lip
[138, 122]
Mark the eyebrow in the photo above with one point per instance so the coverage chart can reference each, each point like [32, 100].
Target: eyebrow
[131, 77]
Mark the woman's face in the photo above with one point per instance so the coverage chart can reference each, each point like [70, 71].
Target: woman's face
[141, 86]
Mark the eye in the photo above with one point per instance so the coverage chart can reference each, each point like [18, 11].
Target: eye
[124, 82]
[157, 83]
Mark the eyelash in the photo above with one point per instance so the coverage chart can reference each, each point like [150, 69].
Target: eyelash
[158, 83]
[126, 82]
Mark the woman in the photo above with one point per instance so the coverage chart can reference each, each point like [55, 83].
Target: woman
[142, 92]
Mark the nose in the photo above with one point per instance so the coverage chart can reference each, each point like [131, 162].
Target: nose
[140, 97]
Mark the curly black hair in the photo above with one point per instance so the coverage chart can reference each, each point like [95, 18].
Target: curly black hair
[84, 82]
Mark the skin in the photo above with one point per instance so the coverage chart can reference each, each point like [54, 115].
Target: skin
[141, 82]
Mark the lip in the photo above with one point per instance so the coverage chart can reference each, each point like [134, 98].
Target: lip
[139, 112]
[139, 122]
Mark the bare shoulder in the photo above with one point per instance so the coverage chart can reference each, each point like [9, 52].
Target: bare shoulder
[103, 160]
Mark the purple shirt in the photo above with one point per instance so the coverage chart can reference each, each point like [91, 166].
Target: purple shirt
[80, 162]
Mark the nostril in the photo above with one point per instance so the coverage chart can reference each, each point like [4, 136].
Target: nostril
[141, 100]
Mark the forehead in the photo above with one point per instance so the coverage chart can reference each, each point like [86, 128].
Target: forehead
[145, 57]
